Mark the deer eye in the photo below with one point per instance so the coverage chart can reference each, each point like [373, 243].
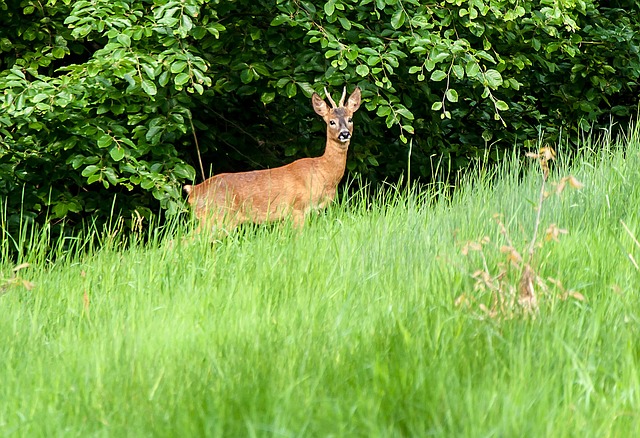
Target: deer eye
[350, 120]
[332, 123]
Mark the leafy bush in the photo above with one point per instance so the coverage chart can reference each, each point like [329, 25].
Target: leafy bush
[102, 101]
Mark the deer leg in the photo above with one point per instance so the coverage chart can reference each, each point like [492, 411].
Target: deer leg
[298, 219]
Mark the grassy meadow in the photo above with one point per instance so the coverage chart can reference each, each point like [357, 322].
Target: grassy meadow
[397, 316]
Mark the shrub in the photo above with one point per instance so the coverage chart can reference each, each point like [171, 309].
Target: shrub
[100, 99]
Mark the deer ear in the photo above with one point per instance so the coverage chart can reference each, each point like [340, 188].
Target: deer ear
[319, 105]
[354, 100]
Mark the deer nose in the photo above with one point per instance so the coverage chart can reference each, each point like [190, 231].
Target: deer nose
[344, 135]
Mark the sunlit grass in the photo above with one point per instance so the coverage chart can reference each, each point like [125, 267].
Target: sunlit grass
[347, 328]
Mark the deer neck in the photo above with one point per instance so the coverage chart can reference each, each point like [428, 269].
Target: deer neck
[335, 160]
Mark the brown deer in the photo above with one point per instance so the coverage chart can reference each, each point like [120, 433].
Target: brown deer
[229, 199]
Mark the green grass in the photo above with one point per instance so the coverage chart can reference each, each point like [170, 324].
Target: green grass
[348, 328]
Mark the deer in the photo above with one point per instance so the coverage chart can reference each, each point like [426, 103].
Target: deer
[227, 200]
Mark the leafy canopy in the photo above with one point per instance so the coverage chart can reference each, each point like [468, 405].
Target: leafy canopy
[102, 101]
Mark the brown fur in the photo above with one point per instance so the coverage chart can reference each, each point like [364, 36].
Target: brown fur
[228, 199]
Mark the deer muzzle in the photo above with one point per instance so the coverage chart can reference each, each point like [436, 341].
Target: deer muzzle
[344, 135]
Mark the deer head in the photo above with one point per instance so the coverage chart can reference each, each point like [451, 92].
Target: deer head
[338, 117]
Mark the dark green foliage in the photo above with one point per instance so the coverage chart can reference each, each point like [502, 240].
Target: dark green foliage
[98, 98]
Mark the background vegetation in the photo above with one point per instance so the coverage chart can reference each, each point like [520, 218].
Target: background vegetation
[101, 101]
[368, 323]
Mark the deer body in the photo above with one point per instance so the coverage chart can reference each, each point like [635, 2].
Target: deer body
[229, 199]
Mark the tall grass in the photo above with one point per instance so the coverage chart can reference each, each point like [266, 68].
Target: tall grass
[348, 328]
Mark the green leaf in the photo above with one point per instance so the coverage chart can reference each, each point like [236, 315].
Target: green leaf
[184, 171]
[60, 209]
[90, 170]
[267, 97]
[124, 39]
[187, 24]
[93, 69]
[111, 176]
[437, 106]
[501, 105]
[246, 90]
[452, 95]
[181, 79]
[397, 20]
[178, 66]
[330, 7]
[439, 56]
[472, 69]
[383, 111]
[16, 71]
[279, 20]
[306, 88]
[352, 54]
[345, 23]
[486, 56]
[5, 44]
[39, 97]
[282, 82]
[58, 52]
[246, 76]
[117, 153]
[154, 134]
[147, 183]
[362, 70]
[438, 75]
[291, 89]
[74, 206]
[149, 71]
[535, 43]
[163, 79]
[458, 71]
[260, 69]
[404, 112]
[331, 53]
[513, 83]
[493, 78]
[104, 141]
[149, 87]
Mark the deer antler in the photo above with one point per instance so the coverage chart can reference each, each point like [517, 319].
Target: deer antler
[333, 104]
[344, 94]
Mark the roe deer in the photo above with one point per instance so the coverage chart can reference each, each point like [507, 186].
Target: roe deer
[229, 199]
